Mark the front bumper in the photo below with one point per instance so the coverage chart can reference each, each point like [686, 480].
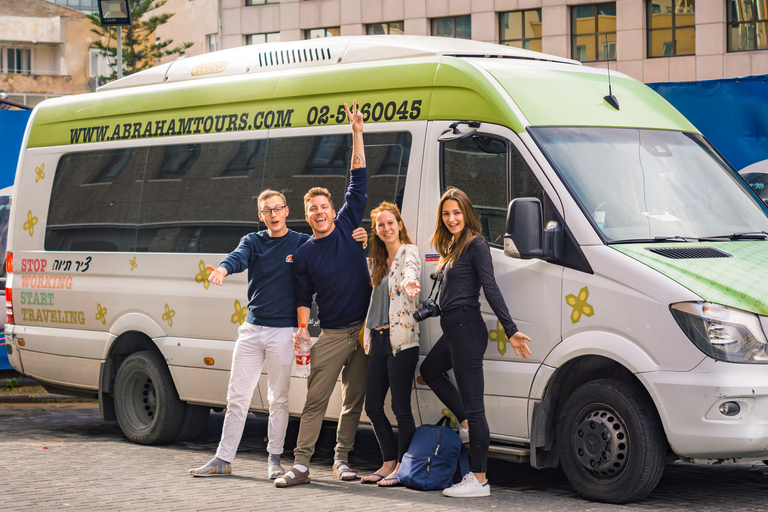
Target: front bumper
[688, 403]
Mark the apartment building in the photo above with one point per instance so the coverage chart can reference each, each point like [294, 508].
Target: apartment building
[651, 40]
[44, 51]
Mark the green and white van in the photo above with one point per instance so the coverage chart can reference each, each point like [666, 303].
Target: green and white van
[626, 247]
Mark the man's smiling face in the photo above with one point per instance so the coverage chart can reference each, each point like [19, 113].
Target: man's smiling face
[320, 215]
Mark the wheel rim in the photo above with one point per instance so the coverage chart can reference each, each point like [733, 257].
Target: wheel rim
[141, 399]
[601, 443]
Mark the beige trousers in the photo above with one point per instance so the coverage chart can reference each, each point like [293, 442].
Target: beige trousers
[336, 350]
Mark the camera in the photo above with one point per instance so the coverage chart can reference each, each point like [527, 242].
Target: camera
[428, 309]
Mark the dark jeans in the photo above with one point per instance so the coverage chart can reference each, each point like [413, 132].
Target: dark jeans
[462, 347]
[395, 372]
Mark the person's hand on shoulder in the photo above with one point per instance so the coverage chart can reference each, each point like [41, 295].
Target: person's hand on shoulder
[360, 235]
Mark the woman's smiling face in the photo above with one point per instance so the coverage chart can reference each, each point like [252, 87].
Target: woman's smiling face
[452, 216]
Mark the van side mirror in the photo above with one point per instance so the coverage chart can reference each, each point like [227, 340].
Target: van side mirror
[526, 237]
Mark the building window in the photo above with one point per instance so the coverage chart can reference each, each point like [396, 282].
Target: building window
[270, 37]
[212, 40]
[392, 27]
[593, 32]
[99, 64]
[16, 60]
[453, 26]
[671, 28]
[747, 25]
[261, 2]
[322, 32]
[521, 29]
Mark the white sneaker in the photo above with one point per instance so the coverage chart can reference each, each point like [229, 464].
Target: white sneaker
[464, 435]
[469, 487]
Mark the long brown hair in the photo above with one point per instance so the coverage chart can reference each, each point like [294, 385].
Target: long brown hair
[379, 252]
[442, 240]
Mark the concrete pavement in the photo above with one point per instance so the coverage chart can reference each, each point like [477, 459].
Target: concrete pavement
[62, 456]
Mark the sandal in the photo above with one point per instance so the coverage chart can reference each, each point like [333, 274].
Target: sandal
[341, 467]
[293, 477]
[389, 479]
[379, 478]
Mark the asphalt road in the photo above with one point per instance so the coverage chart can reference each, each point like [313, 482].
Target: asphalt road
[63, 457]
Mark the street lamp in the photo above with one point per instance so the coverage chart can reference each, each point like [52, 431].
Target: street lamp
[116, 13]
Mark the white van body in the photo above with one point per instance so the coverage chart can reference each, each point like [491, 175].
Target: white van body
[625, 246]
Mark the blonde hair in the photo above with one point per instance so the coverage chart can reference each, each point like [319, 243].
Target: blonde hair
[314, 192]
[266, 194]
[443, 241]
[379, 252]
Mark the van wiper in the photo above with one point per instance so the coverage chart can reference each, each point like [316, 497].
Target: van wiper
[673, 238]
[754, 235]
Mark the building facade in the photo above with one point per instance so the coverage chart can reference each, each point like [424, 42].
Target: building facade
[44, 51]
[651, 40]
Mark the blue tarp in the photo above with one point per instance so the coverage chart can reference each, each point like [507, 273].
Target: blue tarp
[12, 126]
[731, 113]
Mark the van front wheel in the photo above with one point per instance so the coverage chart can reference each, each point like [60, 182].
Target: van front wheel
[611, 443]
[147, 406]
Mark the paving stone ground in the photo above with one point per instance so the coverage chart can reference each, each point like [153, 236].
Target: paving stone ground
[63, 457]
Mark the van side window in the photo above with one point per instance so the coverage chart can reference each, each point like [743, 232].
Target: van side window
[294, 165]
[478, 166]
[201, 198]
[524, 184]
[95, 201]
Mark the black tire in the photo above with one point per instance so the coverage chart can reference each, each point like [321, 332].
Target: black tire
[193, 422]
[146, 402]
[610, 441]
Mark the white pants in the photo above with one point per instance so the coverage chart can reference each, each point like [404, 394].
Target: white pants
[257, 345]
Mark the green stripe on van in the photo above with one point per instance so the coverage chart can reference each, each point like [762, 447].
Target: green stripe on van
[550, 97]
[414, 89]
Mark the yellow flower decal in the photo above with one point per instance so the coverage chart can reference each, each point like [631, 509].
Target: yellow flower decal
[39, 173]
[500, 337]
[447, 412]
[579, 305]
[30, 224]
[238, 317]
[101, 314]
[133, 263]
[168, 315]
[202, 277]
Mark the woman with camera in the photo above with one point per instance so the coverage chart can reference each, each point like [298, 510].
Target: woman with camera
[391, 337]
[465, 265]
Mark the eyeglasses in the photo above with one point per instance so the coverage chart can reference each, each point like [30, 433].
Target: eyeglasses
[275, 211]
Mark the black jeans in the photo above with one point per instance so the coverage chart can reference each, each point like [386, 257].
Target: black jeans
[462, 347]
[395, 372]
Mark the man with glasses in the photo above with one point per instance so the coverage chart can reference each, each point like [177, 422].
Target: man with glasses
[266, 336]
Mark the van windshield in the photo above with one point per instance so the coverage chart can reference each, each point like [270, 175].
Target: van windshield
[649, 185]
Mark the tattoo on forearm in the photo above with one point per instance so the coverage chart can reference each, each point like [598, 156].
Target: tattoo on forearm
[358, 161]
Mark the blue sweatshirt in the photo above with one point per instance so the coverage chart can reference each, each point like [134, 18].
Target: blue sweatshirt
[334, 266]
[271, 298]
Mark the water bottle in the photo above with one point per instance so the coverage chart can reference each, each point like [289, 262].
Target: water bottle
[302, 353]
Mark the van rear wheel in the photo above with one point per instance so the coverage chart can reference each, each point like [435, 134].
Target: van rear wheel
[146, 403]
[611, 443]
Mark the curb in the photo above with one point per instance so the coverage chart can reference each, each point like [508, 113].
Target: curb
[43, 399]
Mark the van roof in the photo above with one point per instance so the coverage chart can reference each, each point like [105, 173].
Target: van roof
[326, 51]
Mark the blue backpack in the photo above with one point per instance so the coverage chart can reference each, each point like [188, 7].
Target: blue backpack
[432, 457]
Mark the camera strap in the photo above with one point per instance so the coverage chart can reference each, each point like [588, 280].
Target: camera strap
[434, 282]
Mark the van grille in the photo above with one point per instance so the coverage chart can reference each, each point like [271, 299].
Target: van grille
[293, 56]
[682, 253]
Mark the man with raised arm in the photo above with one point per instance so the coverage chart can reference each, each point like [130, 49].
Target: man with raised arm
[337, 271]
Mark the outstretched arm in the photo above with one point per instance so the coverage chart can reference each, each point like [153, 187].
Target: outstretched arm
[356, 120]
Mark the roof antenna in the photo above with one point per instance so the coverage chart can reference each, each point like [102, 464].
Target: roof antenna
[611, 99]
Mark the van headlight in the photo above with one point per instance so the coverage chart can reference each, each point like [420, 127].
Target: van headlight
[721, 332]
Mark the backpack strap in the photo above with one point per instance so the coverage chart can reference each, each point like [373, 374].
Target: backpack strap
[444, 421]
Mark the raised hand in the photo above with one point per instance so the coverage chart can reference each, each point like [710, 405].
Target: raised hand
[355, 117]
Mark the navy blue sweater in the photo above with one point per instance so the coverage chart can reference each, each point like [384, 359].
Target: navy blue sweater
[271, 298]
[334, 266]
